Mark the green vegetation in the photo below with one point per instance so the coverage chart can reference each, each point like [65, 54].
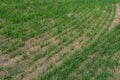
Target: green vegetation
[59, 40]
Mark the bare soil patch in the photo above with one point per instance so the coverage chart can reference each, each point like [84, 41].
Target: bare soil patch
[11, 61]
[116, 20]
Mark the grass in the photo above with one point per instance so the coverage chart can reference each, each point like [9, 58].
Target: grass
[59, 40]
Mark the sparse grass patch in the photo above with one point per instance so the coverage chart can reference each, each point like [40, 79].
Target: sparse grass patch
[59, 39]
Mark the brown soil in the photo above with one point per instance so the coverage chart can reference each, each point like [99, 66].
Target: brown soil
[116, 20]
[11, 61]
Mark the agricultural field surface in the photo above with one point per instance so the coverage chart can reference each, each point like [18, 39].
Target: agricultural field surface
[59, 39]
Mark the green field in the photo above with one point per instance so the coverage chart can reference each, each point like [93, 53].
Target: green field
[59, 39]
